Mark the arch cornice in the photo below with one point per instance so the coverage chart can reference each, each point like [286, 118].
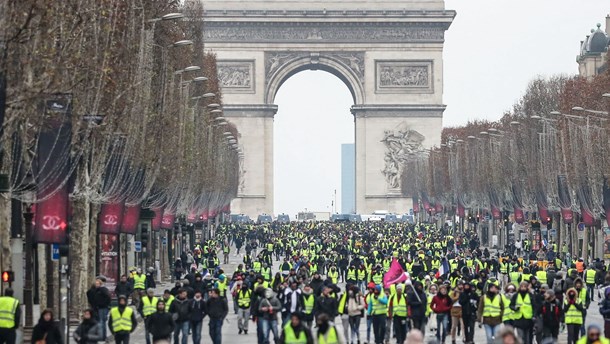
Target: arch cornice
[346, 65]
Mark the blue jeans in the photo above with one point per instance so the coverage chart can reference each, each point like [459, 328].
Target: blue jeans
[102, 315]
[442, 323]
[183, 327]
[270, 325]
[490, 332]
[259, 330]
[216, 330]
[196, 329]
[369, 325]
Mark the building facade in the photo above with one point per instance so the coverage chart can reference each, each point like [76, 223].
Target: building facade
[593, 56]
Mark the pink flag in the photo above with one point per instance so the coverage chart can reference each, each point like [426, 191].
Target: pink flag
[395, 275]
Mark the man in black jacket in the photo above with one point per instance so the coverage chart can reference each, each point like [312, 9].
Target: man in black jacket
[181, 312]
[469, 301]
[122, 336]
[99, 298]
[217, 309]
[123, 287]
[326, 304]
[198, 312]
[160, 324]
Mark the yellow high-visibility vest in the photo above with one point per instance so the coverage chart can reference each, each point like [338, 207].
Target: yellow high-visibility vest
[492, 308]
[8, 307]
[149, 306]
[121, 322]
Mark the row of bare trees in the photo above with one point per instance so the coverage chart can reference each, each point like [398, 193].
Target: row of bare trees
[551, 150]
[154, 94]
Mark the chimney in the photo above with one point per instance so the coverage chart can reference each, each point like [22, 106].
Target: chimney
[608, 24]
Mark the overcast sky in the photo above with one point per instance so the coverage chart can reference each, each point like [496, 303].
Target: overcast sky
[492, 50]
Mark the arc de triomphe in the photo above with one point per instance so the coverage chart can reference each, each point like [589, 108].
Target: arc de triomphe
[388, 53]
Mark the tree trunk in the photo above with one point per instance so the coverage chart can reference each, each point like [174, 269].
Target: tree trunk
[79, 255]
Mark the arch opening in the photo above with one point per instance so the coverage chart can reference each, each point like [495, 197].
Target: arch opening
[312, 123]
[349, 76]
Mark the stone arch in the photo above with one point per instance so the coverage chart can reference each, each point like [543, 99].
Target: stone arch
[338, 64]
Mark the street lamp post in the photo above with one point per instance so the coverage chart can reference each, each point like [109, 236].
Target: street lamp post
[28, 216]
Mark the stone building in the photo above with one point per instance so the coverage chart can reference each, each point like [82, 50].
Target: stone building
[593, 56]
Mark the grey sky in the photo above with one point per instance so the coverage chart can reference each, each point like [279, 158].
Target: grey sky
[492, 50]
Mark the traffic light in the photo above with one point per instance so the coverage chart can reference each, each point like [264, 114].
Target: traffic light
[8, 276]
[144, 238]
[549, 222]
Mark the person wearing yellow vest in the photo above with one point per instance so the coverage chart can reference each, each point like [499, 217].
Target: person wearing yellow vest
[122, 321]
[147, 307]
[542, 276]
[490, 312]
[507, 316]
[398, 313]
[244, 297]
[139, 286]
[522, 305]
[378, 309]
[352, 275]
[593, 336]
[10, 315]
[333, 274]
[295, 332]
[327, 332]
[309, 302]
[222, 285]
[573, 308]
[590, 275]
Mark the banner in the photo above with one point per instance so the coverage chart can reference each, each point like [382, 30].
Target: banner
[567, 215]
[438, 208]
[168, 220]
[131, 218]
[158, 219]
[395, 275]
[519, 217]
[565, 201]
[543, 214]
[109, 259]
[587, 217]
[111, 218]
[191, 217]
[461, 211]
[52, 171]
[496, 213]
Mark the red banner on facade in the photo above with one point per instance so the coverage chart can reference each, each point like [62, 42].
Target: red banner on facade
[567, 215]
[191, 217]
[111, 218]
[496, 213]
[415, 205]
[52, 171]
[131, 218]
[519, 217]
[158, 219]
[543, 214]
[51, 219]
[587, 217]
[168, 221]
[109, 259]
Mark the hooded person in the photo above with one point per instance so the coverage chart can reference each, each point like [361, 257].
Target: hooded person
[523, 304]
[309, 302]
[88, 331]
[295, 331]
[122, 321]
[574, 309]
[47, 330]
[604, 310]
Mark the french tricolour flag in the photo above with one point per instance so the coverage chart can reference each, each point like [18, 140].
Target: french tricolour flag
[443, 269]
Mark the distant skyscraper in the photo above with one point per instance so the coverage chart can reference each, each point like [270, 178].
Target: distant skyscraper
[348, 178]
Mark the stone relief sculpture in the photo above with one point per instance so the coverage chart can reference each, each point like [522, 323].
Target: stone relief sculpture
[400, 144]
[353, 61]
[404, 76]
[242, 177]
[365, 32]
[235, 76]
